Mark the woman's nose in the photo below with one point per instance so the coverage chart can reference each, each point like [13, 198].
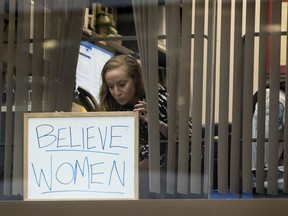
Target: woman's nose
[117, 91]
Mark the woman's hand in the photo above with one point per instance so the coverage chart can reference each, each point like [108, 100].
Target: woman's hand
[141, 107]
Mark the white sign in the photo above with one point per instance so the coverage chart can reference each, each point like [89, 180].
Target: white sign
[81, 156]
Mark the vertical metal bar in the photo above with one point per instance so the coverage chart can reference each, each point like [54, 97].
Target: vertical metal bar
[23, 68]
[137, 14]
[10, 98]
[236, 133]
[210, 99]
[62, 21]
[153, 107]
[60, 8]
[137, 23]
[196, 140]
[2, 73]
[52, 56]
[285, 175]
[140, 12]
[145, 35]
[182, 183]
[275, 35]
[223, 149]
[263, 36]
[248, 97]
[38, 56]
[172, 53]
[67, 69]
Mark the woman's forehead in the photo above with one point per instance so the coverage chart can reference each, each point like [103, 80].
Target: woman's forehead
[117, 73]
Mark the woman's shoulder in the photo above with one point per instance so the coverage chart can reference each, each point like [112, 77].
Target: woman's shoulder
[161, 87]
[162, 90]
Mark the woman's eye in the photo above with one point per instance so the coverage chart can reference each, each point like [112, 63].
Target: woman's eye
[122, 84]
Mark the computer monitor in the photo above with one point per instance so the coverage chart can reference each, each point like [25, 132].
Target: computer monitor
[90, 63]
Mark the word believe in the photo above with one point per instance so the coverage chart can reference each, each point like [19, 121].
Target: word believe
[84, 138]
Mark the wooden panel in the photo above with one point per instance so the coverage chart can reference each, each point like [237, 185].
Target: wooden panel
[149, 207]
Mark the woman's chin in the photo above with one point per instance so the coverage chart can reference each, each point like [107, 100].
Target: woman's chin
[122, 103]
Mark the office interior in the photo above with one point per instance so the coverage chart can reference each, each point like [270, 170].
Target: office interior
[217, 59]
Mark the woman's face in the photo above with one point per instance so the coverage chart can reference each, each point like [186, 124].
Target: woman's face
[121, 86]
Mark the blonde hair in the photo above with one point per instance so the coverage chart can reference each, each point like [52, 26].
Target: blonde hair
[106, 100]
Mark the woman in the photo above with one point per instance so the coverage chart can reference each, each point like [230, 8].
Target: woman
[123, 90]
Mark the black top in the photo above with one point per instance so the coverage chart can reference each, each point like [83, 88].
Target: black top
[143, 126]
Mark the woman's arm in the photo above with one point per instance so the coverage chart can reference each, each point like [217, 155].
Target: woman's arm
[163, 129]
